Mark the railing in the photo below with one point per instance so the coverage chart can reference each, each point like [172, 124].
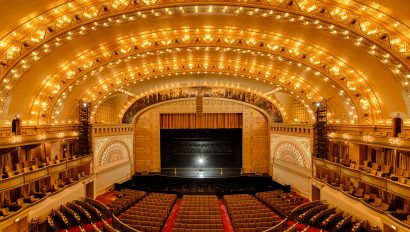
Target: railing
[385, 215]
[107, 129]
[292, 129]
[24, 178]
[201, 172]
[102, 207]
[27, 207]
[382, 182]
[32, 135]
[122, 226]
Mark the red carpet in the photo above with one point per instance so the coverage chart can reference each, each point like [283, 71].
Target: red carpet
[172, 217]
[106, 198]
[225, 217]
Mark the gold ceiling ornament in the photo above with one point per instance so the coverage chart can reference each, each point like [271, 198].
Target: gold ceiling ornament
[368, 21]
[65, 25]
[14, 74]
[121, 54]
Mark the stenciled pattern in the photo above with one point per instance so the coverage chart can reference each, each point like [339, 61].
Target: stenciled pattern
[293, 150]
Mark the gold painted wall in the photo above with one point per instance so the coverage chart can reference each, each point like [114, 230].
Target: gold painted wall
[255, 133]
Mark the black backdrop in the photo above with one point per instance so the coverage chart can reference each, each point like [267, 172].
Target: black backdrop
[219, 148]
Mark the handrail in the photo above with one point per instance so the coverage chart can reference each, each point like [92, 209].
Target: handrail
[118, 224]
[280, 227]
[105, 210]
[307, 204]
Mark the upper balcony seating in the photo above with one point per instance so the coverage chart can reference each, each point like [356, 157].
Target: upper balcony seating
[345, 162]
[366, 166]
[359, 193]
[385, 171]
[408, 219]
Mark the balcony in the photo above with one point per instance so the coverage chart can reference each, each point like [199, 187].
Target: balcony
[381, 182]
[106, 129]
[24, 178]
[292, 129]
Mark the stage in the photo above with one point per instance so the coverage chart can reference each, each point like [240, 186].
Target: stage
[206, 184]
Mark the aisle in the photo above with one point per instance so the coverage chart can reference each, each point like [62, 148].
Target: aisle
[225, 217]
[172, 217]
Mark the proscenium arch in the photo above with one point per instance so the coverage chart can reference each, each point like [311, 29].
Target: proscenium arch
[261, 103]
[139, 113]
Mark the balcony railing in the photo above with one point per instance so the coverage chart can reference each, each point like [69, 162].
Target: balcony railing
[381, 182]
[106, 129]
[386, 216]
[24, 178]
[292, 129]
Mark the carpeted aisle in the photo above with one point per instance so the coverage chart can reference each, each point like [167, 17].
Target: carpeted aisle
[225, 217]
[172, 217]
[106, 198]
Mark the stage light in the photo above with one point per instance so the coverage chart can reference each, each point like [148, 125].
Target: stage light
[317, 104]
[201, 161]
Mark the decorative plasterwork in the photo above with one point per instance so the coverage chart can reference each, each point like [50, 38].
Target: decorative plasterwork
[112, 150]
[291, 149]
[345, 80]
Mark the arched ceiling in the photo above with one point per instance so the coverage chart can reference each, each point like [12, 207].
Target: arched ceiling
[56, 53]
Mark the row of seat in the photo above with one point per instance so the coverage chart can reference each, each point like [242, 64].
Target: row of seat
[258, 218]
[124, 199]
[150, 213]
[198, 213]
[282, 203]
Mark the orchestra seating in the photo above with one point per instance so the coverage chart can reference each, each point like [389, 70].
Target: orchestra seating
[125, 198]
[199, 213]
[283, 203]
[73, 214]
[249, 214]
[150, 213]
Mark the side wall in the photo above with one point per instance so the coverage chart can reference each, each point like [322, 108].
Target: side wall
[291, 161]
[113, 160]
[254, 135]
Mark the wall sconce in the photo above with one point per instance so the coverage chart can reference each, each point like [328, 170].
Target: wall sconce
[395, 141]
[368, 138]
[60, 134]
[41, 136]
[346, 136]
[16, 139]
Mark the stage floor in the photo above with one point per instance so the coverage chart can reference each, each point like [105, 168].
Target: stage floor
[201, 173]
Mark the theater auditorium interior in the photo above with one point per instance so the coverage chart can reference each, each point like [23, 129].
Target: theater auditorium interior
[205, 115]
